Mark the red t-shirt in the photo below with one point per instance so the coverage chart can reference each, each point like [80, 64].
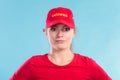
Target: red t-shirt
[39, 67]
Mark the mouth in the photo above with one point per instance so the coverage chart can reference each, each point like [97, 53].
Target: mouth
[60, 41]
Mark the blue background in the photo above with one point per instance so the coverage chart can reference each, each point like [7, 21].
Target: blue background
[21, 35]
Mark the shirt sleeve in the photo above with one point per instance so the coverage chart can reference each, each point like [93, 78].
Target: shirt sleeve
[97, 72]
[23, 73]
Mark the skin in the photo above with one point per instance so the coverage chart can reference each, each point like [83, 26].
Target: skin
[60, 38]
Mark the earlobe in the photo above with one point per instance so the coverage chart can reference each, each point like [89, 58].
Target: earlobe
[73, 35]
[43, 30]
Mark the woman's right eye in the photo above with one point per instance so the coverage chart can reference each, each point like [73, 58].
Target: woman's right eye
[53, 29]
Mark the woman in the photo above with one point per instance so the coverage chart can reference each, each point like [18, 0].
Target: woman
[60, 63]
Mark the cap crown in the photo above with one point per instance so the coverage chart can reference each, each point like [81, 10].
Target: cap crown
[60, 15]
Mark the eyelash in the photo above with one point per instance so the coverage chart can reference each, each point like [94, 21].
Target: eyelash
[65, 29]
[53, 29]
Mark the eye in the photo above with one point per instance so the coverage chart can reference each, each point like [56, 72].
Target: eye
[66, 29]
[53, 28]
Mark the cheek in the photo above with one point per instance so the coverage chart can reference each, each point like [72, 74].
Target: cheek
[50, 36]
[70, 36]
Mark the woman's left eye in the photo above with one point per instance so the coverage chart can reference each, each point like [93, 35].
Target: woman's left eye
[66, 29]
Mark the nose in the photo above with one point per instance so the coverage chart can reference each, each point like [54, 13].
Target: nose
[60, 33]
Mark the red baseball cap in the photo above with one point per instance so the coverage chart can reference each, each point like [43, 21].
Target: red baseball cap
[60, 15]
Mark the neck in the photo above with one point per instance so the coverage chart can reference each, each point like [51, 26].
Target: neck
[60, 57]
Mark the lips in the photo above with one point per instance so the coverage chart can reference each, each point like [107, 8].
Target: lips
[60, 41]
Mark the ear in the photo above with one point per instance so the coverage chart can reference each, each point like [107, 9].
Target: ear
[45, 30]
[74, 33]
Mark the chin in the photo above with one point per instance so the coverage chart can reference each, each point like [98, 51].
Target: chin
[61, 47]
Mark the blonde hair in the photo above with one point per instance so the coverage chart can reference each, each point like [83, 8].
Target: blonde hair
[71, 46]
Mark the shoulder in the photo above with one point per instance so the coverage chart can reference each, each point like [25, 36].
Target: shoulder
[37, 59]
[83, 58]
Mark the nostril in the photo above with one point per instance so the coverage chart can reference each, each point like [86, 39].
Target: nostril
[60, 33]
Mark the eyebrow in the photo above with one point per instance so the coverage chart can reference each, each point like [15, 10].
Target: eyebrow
[65, 26]
[62, 26]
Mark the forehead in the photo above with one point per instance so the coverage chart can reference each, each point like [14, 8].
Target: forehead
[59, 25]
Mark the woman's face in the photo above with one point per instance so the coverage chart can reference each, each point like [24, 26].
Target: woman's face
[60, 36]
